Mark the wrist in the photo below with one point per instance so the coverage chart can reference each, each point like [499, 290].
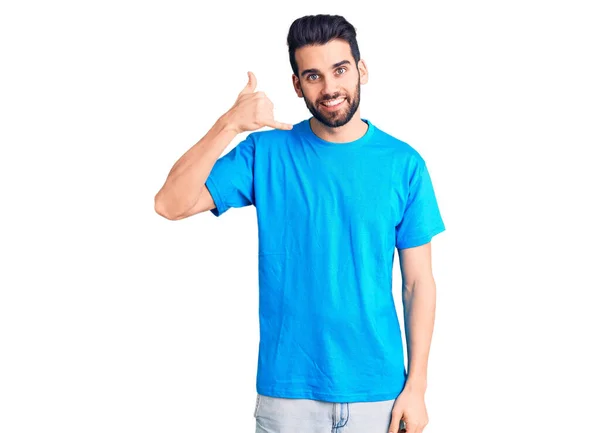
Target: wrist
[416, 384]
[227, 123]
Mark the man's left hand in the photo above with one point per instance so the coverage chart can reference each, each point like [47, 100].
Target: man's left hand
[409, 407]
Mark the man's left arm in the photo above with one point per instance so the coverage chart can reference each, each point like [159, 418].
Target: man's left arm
[418, 299]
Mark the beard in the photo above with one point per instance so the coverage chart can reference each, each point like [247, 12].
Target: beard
[339, 117]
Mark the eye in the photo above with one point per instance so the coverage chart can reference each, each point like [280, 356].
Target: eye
[311, 75]
[341, 69]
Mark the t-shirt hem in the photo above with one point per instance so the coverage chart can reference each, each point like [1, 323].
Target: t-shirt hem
[329, 397]
[216, 195]
[421, 240]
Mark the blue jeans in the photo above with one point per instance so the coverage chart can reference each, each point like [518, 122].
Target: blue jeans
[284, 415]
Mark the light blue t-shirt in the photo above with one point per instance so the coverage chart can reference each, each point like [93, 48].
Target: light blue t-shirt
[330, 216]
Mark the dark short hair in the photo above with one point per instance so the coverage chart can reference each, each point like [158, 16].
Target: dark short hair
[318, 30]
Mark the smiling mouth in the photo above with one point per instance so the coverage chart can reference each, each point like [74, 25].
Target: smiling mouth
[333, 103]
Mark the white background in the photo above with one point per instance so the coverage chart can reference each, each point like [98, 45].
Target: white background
[114, 319]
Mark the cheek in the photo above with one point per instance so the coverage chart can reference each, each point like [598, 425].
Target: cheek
[310, 96]
[349, 85]
[305, 93]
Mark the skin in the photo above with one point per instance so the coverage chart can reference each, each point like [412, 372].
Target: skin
[322, 77]
[419, 301]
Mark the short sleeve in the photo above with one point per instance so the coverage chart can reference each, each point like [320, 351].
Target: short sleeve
[421, 220]
[231, 180]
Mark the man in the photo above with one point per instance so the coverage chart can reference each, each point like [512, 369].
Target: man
[334, 197]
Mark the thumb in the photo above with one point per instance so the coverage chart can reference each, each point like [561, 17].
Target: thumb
[249, 88]
[396, 423]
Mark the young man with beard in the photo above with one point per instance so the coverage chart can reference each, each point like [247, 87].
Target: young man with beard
[334, 197]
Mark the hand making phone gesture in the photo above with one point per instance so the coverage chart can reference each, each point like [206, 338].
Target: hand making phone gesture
[253, 110]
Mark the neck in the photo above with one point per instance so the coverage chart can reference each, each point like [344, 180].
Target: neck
[351, 131]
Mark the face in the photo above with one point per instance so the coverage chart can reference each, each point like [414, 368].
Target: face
[329, 81]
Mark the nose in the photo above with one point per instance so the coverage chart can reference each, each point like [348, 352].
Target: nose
[330, 87]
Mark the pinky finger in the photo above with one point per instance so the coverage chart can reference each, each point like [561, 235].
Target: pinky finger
[280, 125]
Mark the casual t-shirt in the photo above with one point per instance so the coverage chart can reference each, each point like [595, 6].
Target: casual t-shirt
[330, 216]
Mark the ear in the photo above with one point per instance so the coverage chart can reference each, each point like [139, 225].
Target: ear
[296, 84]
[363, 72]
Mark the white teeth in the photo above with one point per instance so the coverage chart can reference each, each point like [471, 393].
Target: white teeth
[334, 102]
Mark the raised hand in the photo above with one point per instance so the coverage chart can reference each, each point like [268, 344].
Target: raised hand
[253, 110]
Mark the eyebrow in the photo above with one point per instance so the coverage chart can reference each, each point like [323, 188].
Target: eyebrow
[314, 71]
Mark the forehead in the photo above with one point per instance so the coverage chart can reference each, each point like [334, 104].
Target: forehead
[323, 56]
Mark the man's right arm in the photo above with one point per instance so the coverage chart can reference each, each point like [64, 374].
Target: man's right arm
[184, 193]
